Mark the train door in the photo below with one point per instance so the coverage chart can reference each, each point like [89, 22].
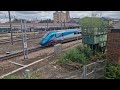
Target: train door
[55, 36]
[62, 37]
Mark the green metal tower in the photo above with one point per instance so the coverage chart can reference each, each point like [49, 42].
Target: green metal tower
[93, 35]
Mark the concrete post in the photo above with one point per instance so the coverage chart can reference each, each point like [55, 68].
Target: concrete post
[27, 73]
[57, 49]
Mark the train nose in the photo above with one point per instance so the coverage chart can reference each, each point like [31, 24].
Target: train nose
[40, 40]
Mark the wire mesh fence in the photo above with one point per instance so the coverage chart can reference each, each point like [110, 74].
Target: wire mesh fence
[93, 70]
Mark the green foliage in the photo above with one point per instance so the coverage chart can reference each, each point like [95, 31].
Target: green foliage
[78, 54]
[93, 22]
[12, 77]
[86, 50]
[31, 75]
[82, 55]
[112, 71]
[98, 56]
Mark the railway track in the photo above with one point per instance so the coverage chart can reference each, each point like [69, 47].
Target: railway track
[15, 40]
[24, 67]
[30, 50]
[20, 53]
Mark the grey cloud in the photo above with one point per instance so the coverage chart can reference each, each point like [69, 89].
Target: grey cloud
[1, 13]
[114, 14]
[28, 12]
[49, 14]
[33, 12]
[79, 14]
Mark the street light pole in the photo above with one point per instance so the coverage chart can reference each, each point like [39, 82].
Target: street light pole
[10, 27]
[61, 24]
[47, 24]
[64, 24]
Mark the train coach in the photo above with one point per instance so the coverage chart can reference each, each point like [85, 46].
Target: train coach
[60, 36]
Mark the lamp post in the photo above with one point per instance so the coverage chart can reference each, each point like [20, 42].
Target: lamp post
[64, 24]
[10, 27]
[47, 24]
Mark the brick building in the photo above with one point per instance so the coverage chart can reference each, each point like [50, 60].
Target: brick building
[113, 45]
[61, 16]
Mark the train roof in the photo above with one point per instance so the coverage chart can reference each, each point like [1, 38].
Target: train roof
[68, 30]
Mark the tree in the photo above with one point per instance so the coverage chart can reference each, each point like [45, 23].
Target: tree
[93, 22]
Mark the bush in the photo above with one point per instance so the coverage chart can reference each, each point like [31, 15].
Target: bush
[98, 56]
[35, 75]
[78, 55]
[82, 55]
[112, 71]
[72, 55]
[12, 77]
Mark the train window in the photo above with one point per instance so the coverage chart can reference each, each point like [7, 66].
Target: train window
[75, 33]
[51, 36]
[55, 35]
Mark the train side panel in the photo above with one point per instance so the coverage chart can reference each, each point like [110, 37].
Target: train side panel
[56, 37]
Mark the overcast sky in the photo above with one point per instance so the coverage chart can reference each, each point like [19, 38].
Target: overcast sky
[32, 15]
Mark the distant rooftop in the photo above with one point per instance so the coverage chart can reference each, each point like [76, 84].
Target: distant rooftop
[117, 25]
[109, 18]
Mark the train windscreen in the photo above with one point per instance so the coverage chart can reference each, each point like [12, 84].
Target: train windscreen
[45, 36]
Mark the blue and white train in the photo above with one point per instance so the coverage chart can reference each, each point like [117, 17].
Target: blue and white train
[60, 36]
